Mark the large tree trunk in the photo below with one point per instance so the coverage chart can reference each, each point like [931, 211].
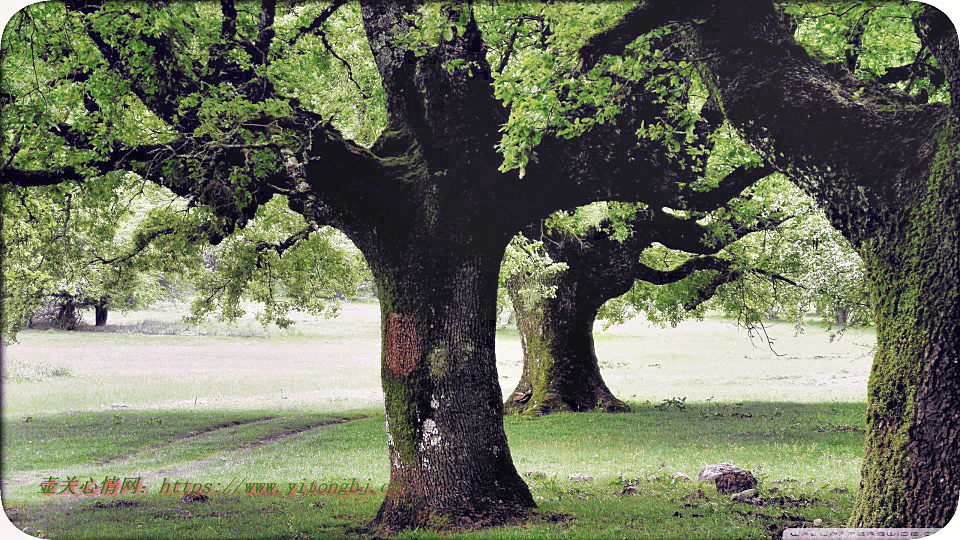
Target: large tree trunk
[886, 172]
[445, 431]
[560, 367]
[911, 471]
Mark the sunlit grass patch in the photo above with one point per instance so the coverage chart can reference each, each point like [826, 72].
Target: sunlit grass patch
[20, 371]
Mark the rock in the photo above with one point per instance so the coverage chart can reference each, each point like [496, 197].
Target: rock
[818, 522]
[735, 482]
[578, 477]
[728, 477]
[712, 471]
[535, 474]
[629, 490]
[682, 477]
[744, 495]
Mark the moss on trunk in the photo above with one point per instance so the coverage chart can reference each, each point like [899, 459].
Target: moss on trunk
[910, 470]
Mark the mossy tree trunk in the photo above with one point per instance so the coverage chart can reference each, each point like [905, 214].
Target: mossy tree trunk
[885, 169]
[911, 470]
[561, 371]
[560, 366]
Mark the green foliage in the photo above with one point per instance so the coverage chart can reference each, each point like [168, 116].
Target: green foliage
[260, 264]
[121, 237]
[529, 271]
[879, 35]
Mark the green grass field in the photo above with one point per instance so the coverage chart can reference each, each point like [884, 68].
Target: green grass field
[150, 398]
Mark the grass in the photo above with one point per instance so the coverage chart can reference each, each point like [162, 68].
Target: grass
[304, 406]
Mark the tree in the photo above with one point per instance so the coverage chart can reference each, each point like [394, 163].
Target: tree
[555, 308]
[884, 165]
[60, 253]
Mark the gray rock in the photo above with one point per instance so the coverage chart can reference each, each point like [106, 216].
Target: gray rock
[728, 477]
[710, 472]
[744, 495]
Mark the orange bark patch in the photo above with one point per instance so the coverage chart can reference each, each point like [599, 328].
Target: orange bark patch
[401, 344]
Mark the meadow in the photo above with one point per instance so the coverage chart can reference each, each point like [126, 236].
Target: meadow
[229, 406]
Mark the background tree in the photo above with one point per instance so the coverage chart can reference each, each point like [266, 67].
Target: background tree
[884, 165]
[63, 251]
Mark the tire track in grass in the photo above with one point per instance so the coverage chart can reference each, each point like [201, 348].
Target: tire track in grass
[193, 435]
[195, 468]
[295, 431]
[34, 477]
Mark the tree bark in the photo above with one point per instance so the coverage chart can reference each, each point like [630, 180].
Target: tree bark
[100, 313]
[911, 470]
[447, 446]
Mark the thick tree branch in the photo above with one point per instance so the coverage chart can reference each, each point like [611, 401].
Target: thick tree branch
[729, 187]
[638, 21]
[696, 264]
[444, 100]
[10, 176]
[316, 25]
[826, 131]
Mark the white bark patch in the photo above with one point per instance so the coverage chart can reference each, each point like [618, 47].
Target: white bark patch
[389, 436]
[431, 435]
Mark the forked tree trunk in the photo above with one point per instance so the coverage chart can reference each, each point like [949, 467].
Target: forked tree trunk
[560, 367]
[447, 445]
